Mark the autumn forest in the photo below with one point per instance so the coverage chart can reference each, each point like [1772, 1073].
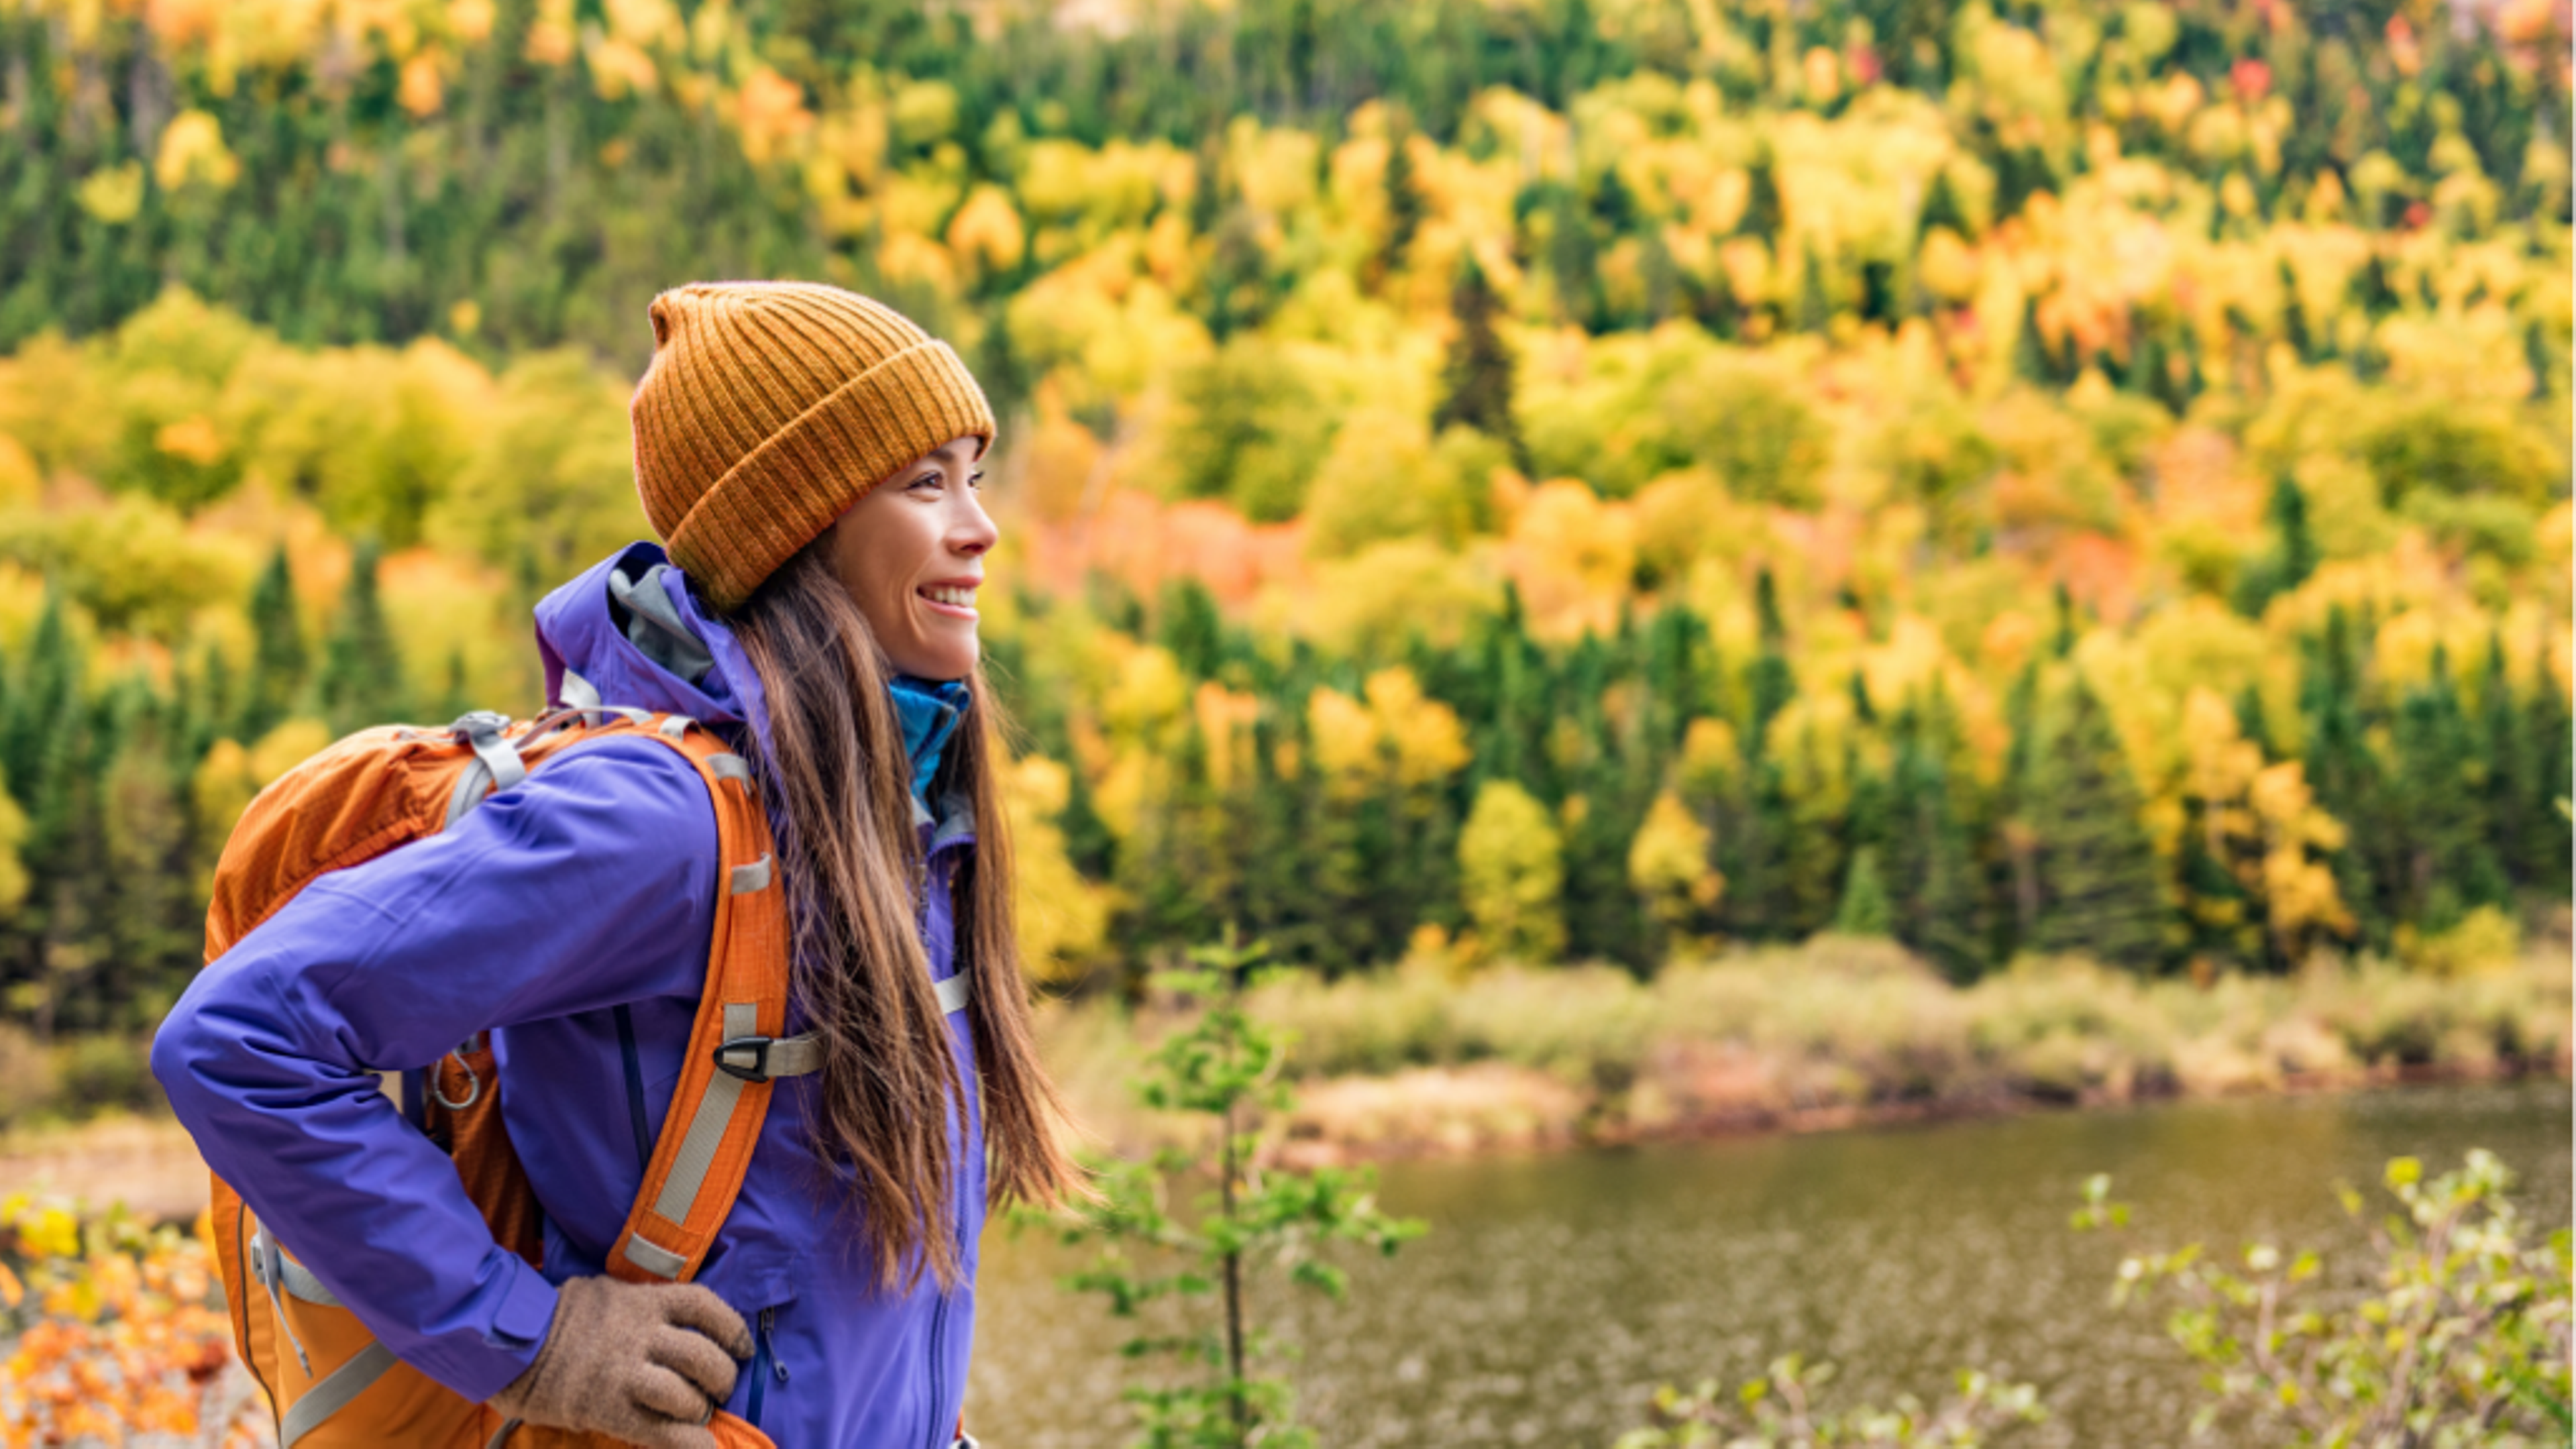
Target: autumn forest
[1530, 480]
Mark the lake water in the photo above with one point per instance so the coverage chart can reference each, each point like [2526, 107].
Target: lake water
[1556, 1291]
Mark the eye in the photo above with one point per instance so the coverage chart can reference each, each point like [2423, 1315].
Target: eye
[975, 481]
[926, 480]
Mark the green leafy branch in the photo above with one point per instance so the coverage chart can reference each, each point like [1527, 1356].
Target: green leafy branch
[1224, 1066]
[2466, 1339]
[1775, 1412]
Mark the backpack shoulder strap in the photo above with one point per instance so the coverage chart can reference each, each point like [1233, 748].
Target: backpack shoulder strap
[735, 1048]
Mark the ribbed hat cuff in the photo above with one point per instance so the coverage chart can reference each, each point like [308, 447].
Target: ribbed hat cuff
[786, 492]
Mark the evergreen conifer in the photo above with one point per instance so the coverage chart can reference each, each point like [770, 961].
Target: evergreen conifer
[1937, 904]
[2450, 864]
[361, 681]
[278, 657]
[1405, 204]
[1762, 208]
[1476, 371]
[1864, 910]
[2101, 888]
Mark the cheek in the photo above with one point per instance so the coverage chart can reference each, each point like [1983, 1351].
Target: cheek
[880, 557]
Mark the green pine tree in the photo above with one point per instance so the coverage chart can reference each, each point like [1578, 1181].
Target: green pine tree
[1573, 260]
[2293, 556]
[1406, 206]
[1770, 684]
[1942, 207]
[1935, 881]
[151, 935]
[1865, 909]
[2034, 361]
[1190, 627]
[2547, 841]
[1815, 305]
[1812, 820]
[361, 682]
[2350, 781]
[278, 655]
[1476, 371]
[1762, 208]
[2101, 890]
[2450, 865]
[43, 710]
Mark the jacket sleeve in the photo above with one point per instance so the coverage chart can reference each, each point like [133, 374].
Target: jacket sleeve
[589, 884]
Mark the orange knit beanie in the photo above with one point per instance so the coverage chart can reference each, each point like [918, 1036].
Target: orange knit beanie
[770, 408]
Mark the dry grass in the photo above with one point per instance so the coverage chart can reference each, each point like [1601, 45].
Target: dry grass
[1424, 1059]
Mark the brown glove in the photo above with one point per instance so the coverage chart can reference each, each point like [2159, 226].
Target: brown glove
[648, 1363]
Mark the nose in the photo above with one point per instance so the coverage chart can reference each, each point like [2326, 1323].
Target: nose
[971, 531]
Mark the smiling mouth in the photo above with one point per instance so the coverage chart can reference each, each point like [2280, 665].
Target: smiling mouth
[949, 599]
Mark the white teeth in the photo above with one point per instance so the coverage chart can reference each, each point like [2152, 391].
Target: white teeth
[956, 598]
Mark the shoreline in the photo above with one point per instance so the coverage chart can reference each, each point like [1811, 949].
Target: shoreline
[1424, 1061]
[1837, 1034]
[106, 1159]
[1754, 1123]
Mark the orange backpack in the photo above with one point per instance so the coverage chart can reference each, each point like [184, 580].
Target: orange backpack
[332, 1384]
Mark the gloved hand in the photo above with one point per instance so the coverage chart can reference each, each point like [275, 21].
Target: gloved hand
[648, 1363]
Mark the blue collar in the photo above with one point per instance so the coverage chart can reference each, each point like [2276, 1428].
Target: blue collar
[929, 714]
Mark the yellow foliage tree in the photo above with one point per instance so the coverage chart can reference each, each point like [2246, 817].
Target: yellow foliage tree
[1511, 869]
[2259, 823]
[1668, 866]
[2299, 893]
[1062, 918]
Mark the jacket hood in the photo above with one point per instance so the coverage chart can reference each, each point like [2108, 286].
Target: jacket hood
[630, 628]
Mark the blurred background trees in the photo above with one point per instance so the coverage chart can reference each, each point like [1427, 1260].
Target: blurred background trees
[1568, 481]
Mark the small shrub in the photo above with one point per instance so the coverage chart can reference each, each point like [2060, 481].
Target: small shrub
[106, 1074]
[1772, 1412]
[2485, 940]
[2465, 1340]
[26, 1076]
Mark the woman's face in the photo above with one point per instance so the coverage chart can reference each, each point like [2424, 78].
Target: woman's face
[911, 554]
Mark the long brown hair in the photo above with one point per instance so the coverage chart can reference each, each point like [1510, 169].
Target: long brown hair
[835, 774]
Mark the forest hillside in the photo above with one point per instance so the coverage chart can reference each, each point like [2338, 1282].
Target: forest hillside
[1532, 480]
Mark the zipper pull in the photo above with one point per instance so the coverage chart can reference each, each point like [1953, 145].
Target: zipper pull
[769, 1339]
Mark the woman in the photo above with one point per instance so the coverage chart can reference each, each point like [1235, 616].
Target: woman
[808, 456]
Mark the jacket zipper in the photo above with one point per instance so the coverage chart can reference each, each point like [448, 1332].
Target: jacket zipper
[938, 1355]
[762, 1328]
[941, 1435]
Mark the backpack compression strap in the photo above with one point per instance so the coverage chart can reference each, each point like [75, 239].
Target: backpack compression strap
[735, 1047]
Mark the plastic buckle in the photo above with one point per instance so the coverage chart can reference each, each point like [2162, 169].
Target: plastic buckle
[476, 724]
[758, 1048]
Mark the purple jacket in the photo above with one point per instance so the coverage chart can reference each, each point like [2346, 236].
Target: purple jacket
[588, 887]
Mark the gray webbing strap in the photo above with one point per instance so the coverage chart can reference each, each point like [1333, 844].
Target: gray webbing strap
[471, 786]
[796, 1056]
[275, 1270]
[742, 880]
[334, 1393]
[674, 727]
[497, 756]
[730, 767]
[496, 766]
[954, 993]
[266, 1252]
[707, 1127]
[579, 693]
[653, 1258]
